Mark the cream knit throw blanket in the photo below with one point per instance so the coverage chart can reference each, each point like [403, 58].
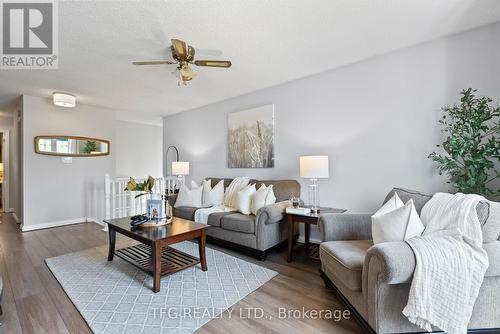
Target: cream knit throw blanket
[450, 264]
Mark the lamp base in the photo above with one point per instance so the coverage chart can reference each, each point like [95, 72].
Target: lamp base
[180, 181]
[314, 196]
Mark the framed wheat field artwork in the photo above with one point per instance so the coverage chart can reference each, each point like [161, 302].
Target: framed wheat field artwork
[251, 138]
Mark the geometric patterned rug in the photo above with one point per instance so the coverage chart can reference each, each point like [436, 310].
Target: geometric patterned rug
[116, 297]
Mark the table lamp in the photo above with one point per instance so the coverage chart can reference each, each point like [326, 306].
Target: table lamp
[314, 167]
[180, 168]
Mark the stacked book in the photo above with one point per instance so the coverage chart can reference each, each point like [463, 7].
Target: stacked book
[298, 211]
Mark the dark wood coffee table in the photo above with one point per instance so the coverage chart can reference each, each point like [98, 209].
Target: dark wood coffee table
[153, 255]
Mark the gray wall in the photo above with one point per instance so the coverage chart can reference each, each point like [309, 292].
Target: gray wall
[376, 119]
[54, 192]
[57, 193]
[138, 149]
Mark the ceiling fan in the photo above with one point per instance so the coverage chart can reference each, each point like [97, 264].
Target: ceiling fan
[183, 55]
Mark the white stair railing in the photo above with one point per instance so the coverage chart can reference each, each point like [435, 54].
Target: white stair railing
[120, 203]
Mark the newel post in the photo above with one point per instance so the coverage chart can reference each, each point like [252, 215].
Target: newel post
[107, 199]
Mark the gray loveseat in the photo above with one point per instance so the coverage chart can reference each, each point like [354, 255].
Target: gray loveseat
[253, 234]
[374, 281]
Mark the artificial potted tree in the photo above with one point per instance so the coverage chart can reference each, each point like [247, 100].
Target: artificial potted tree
[471, 156]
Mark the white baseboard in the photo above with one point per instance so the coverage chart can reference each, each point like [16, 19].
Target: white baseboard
[10, 210]
[16, 218]
[302, 239]
[54, 224]
[92, 220]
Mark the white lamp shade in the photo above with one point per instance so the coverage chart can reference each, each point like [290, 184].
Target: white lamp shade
[64, 100]
[314, 166]
[1, 166]
[180, 167]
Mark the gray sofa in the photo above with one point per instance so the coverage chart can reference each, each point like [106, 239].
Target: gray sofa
[253, 234]
[374, 280]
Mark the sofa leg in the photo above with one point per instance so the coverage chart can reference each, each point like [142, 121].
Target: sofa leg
[262, 256]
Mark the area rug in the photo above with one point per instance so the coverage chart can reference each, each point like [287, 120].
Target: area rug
[116, 297]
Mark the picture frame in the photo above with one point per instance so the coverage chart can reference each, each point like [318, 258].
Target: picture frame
[154, 209]
[251, 134]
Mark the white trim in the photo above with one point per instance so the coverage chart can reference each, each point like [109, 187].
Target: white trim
[16, 218]
[9, 210]
[54, 224]
[6, 167]
[92, 220]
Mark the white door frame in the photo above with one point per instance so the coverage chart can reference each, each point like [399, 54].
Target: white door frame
[6, 169]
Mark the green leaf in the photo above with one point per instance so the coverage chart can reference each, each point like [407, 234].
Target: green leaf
[471, 145]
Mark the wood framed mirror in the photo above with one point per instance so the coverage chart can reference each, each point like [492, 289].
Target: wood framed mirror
[71, 146]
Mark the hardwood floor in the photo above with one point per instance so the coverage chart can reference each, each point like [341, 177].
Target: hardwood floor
[34, 302]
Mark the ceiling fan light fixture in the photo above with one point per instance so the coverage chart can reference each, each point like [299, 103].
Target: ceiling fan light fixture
[187, 72]
[65, 100]
[183, 56]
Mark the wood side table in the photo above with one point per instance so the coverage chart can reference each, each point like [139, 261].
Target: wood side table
[153, 255]
[307, 219]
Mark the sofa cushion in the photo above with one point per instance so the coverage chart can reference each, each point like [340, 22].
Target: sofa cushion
[227, 181]
[345, 259]
[238, 222]
[185, 212]
[419, 198]
[283, 189]
[214, 219]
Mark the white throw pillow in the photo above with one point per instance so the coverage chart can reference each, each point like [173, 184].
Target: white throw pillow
[189, 197]
[232, 190]
[244, 199]
[392, 204]
[270, 199]
[400, 224]
[262, 197]
[213, 196]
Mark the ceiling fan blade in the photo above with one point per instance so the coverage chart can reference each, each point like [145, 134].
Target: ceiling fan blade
[180, 48]
[213, 63]
[209, 52]
[153, 62]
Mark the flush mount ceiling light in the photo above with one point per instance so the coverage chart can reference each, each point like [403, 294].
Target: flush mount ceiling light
[64, 99]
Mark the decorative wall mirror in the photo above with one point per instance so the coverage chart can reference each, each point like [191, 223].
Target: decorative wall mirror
[71, 146]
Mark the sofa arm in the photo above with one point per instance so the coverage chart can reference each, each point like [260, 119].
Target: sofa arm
[345, 226]
[493, 251]
[390, 263]
[272, 213]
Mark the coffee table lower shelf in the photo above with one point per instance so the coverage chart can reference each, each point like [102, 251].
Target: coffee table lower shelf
[172, 260]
